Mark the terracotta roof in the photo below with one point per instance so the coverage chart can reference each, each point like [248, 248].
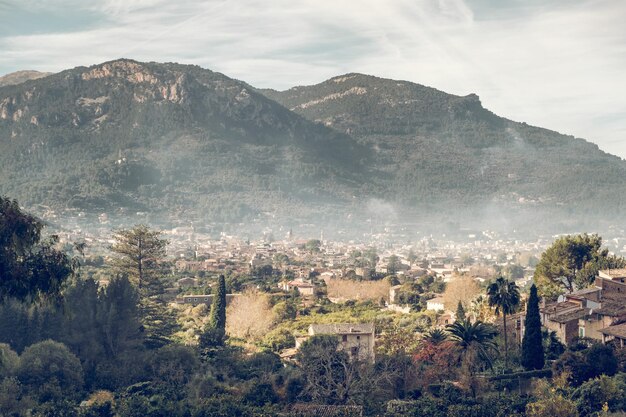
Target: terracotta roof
[618, 330]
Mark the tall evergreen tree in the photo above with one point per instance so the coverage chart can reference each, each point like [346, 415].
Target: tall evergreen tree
[140, 250]
[460, 312]
[532, 347]
[217, 319]
[214, 333]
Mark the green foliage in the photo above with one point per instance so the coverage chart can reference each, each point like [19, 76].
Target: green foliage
[217, 318]
[279, 339]
[504, 296]
[476, 341]
[572, 262]
[13, 398]
[552, 346]
[460, 312]
[532, 342]
[139, 251]
[29, 266]
[594, 394]
[9, 361]
[586, 364]
[50, 370]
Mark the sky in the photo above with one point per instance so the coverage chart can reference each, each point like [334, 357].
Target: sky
[558, 64]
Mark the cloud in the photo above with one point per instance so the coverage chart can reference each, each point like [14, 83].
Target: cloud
[535, 61]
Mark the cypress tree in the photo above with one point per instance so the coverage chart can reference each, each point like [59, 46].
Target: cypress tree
[532, 347]
[460, 312]
[217, 319]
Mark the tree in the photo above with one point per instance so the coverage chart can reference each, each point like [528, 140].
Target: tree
[462, 288]
[435, 336]
[313, 245]
[331, 377]
[475, 341]
[572, 262]
[550, 402]
[29, 266]
[140, 250]
[597, 393]
[118, 315]
[504, 296]
[8, 361]
[217, 318]
[460, 312]
[250, 316]
[532, 343]
[393, 264]
[48, 368]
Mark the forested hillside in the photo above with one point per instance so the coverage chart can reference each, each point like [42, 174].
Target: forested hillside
[178, 139]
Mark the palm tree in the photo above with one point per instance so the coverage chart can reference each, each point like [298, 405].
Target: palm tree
[504, 296]
[474, 338]
[435, 336]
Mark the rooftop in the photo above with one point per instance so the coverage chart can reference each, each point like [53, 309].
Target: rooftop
[342, 328]
[618, 330]
[613, 273]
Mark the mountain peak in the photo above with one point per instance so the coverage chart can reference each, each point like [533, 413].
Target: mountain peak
[19, 77]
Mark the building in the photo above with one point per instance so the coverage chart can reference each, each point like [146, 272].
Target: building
[304, 288]
[357, 339]
[435, 304]
[594, 312]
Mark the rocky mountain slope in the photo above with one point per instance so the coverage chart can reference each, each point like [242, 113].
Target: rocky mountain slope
[166, 137]
[20, 77]
[182, 140]
[450, 150]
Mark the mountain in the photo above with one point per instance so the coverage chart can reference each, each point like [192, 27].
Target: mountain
[445, 152]
[167, 138]
[20, 77]
[186, 142]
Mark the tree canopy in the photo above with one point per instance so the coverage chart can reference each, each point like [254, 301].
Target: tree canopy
[30, 267]
[572, 262]
[140, 249]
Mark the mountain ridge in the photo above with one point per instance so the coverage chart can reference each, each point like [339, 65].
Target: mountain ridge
[19, 77]
[174, 138]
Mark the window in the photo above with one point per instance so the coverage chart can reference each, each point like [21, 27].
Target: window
[581, 332]
[358, 338]
[354, 351]
[344, 338]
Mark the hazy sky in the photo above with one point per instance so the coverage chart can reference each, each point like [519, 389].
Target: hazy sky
[559, 64]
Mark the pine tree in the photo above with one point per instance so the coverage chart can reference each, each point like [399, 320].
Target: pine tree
[460, 312]
[532, 348]
[217, 319]
[140, 250]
